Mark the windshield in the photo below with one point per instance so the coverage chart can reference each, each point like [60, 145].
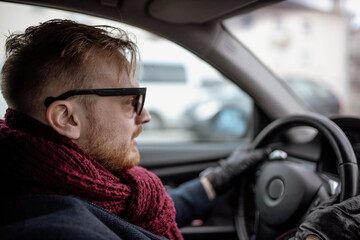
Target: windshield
[313, 46]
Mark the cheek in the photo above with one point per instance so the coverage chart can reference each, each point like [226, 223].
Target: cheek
[114, 122]
[109, 118]
[121, 129]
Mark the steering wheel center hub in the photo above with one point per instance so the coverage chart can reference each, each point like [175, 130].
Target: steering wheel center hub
[288, 190]
[276, 189]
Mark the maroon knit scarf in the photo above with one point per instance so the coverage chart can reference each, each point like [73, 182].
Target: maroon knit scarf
[40, 161]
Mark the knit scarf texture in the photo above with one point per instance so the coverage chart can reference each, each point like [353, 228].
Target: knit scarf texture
[38, 160]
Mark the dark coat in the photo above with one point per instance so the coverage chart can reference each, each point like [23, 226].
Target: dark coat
[68, 217]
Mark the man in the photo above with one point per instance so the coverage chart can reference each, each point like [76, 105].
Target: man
[68, 142]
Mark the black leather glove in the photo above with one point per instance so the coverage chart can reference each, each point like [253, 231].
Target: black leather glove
[223, 176]
[337, 221]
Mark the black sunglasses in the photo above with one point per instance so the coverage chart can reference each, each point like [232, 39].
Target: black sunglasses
[106, 92]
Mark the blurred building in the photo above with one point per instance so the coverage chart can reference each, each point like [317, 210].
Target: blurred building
[301, 39]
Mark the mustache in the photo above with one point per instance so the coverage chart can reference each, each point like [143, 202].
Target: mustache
[138, 132]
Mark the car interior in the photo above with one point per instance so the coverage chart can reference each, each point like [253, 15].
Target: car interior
[314, 157]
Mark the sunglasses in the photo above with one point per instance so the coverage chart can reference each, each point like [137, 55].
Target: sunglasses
[106, 92]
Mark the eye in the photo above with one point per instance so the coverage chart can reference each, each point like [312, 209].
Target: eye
[134, 102]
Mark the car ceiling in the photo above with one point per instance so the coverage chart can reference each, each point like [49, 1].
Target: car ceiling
[172, 11]
[200, 11]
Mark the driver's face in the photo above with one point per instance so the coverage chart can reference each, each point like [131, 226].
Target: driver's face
[111, 123]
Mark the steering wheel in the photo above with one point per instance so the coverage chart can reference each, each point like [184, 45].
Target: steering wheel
[282, 192]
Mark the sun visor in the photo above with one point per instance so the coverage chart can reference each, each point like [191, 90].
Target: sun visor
[196, 11]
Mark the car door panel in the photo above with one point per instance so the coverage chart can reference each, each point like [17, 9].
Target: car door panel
[178, 163]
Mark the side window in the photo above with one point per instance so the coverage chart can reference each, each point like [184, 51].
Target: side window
[163, 72]
[188, 99]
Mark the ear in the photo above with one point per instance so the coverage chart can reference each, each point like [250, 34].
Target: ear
[63, 118]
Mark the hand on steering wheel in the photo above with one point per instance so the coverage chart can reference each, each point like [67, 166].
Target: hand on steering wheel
[228, 172]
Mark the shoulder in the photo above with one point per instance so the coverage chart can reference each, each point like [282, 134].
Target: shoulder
[62, 217]
[51, 217]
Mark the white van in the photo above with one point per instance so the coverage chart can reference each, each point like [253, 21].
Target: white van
[163, 66]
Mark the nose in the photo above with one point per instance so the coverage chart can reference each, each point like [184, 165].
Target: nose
[144, 117]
